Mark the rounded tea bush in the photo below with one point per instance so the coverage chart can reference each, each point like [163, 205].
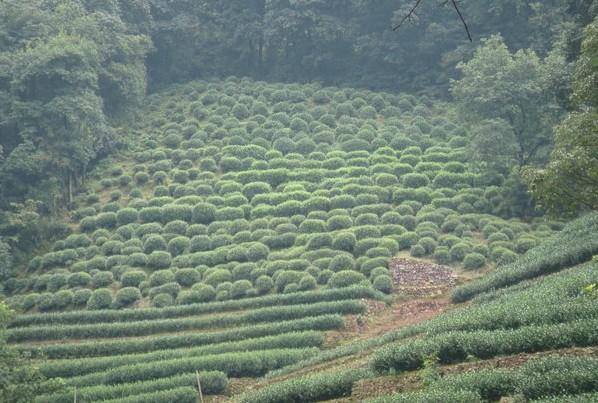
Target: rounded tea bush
[161, 277]
[80, 297]
[100, 299]
[346, 278]
[127, 296]
[80, 279]
[307, 282]
[159, 260]
[204, 292]
[162, 299]
[459, 251]
[342, 262]
[132, 278]
[474, 261]
[383, 283]
[264, 284]
[187, 277]
[344, 241]
[178, 245]
[240, 288]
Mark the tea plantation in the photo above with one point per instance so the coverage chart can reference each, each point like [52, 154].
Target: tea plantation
[243, 222]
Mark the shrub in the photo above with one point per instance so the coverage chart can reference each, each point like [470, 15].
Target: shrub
[415, 180]
[126, 216]
[240, 288]
[204, 292]
[344, 241]
[383, 283]
[417, 251]
[319, 241]
[79, 280]
[285, 278]
[161, 300]
[442, 255]
[187, 277]
[159, 260]
[342, 262]
[218, 276]
[102, 279]
[307, 282]
[161, 277]
[100, 299]
[263, 284]
[56, 282]
[127, 296]
[204, 213]
[80, 297]
[178, 245]
[105, 220]
[132, 278]
[154, 243]
[338, 222]
[257, 251]
[474, 261]
[459, 251]
[346, 278]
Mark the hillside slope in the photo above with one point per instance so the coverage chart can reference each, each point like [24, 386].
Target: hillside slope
[531, 339]
[246, 229]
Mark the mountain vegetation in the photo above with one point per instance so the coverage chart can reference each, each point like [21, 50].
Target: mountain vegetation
[210, 199]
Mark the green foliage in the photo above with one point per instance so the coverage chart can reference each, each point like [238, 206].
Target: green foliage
[322, 386]
[567, 183]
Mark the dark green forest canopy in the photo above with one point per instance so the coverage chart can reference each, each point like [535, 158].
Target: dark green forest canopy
[72, 72]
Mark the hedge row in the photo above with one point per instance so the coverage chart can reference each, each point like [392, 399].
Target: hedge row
[179, 395]
[212, 383]
[551, 299]
[457, 346]
[141, 328]
[236, 364]
[576, 244]
[551, 376]
[127, 315]
[432, 396]
[119, 347]
[77, 367]
[310, 388]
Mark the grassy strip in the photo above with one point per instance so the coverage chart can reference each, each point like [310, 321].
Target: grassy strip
[311, 388]
[118, 347]
[576, 244]
[237, 364]
[212, 383]
[127, 315]
[78, 367]
[457, 346]
[142, 328]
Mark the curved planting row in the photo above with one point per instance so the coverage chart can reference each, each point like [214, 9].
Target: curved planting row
[141, 328]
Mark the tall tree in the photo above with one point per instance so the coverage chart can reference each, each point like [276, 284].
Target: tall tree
[569, 182]
[514, 90]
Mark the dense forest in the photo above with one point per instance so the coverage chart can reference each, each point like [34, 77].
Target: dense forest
[515, 108]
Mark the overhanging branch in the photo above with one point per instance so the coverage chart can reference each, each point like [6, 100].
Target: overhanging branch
[455, 5]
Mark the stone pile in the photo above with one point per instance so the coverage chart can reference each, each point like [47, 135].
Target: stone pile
[421, 279]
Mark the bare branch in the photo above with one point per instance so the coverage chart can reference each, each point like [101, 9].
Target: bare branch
[413, 9]
[462, 19]
[408, 16]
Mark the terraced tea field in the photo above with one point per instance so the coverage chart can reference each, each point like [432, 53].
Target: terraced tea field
[245, 220]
